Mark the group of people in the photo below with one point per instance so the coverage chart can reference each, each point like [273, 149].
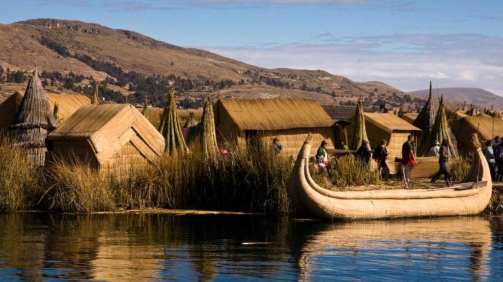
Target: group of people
[493, 152]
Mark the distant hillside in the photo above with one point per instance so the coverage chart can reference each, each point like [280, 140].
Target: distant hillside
[474, 96]
[75, 55]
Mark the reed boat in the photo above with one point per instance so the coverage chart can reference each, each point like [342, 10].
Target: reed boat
[467, 198]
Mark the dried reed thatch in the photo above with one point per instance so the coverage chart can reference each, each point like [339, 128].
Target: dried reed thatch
[55, 112]
[426, 118]
[170, 128]
[34, 121]
[67, 105]
[289, 120]
[96, 98]
[400, 112]
[439, 131]
[145, 111]
[359, 132]
[409, 117]
[487, 128]
[108, 137]
[208, 132]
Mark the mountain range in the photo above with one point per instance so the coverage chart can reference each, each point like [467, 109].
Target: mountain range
[476, 96]
[119, 57]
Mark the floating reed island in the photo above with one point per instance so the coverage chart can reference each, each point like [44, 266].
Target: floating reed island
[93, 157]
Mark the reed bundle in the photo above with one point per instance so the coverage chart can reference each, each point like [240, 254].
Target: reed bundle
[208, 132]
[170, 128]
[359, 133]
[426, 117]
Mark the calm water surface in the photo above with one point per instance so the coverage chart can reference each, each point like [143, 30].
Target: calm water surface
[139, 247]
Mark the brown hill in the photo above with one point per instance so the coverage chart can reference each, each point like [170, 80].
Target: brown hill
[67, 42]
[474, 96]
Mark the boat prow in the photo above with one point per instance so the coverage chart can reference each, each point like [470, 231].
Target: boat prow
[468, 198]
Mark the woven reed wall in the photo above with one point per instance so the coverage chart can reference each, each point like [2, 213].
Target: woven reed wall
[123, 162]
[68, 150]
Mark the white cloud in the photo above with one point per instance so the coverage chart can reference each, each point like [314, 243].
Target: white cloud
[455, 60]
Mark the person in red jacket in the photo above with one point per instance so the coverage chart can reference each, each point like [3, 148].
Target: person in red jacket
[408, 160]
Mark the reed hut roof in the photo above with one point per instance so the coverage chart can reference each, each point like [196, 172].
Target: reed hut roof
[34, 111]
[410, 117]
[108, 127]
[390, 122]
[68, 104]
[337, 112]
[274, 114]
[487, 127]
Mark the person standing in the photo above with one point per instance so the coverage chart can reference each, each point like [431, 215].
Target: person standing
[380, 155]
[363, 152]
[443, 158]
[276, 146]
[498, 156]
[408, 161]
[322, 158]
[489, 154]
[434, 151]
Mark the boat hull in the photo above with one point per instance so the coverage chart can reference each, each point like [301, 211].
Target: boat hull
[468, 198]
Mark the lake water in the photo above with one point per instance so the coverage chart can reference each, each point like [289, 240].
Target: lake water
[139, 247]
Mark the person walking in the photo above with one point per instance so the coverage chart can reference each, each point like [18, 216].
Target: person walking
[363, 152]
[408, 161]
[443, 158]
[380, 155]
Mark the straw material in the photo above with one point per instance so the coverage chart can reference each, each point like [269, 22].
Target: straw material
[426, 118]
[275, 118]
[67, 105]
[109, 136]
[487, 127]
[208, 134]
[463, 199]
[170, 128]
[439, 132]
[337, 112]
[96, 97]
[33, 121]
[274, 114]
[410, 117]
[359, 131]
[145, 112]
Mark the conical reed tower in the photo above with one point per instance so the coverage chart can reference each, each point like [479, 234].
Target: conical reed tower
[34, 121]
[439, 131]
[145, 111]
[96, 98]
[170, 128]
[359, 133]
[426, 118]
[208, 132]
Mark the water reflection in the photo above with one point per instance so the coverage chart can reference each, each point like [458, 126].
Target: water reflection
[138, 247]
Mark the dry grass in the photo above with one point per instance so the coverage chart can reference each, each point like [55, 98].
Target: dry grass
[350, 171]
[19, 180]
[459, 168]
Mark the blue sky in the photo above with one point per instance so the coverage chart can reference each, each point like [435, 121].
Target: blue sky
[402, 43]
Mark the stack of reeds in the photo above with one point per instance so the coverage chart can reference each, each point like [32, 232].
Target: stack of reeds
[145, 111]
[359, 133]
[439, 131]
[96, 97]
[34, 121]
[208, 132]
[170, 128]
[426, 118]
[55, 112]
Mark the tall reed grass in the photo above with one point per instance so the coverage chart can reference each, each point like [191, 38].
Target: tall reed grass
[18, 179]
[350, 171]
[251, 180]
[459, 168]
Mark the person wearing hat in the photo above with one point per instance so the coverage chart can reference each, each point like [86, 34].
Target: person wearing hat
[322, 158]
[435, 150]
[364, 152]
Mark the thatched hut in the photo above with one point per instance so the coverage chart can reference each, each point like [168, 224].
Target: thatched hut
[487, 128]
[34, 121]
[111, 138]
[67, 105]
[290, 120]
[409, 117]
[388, 126]
[426, 117]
